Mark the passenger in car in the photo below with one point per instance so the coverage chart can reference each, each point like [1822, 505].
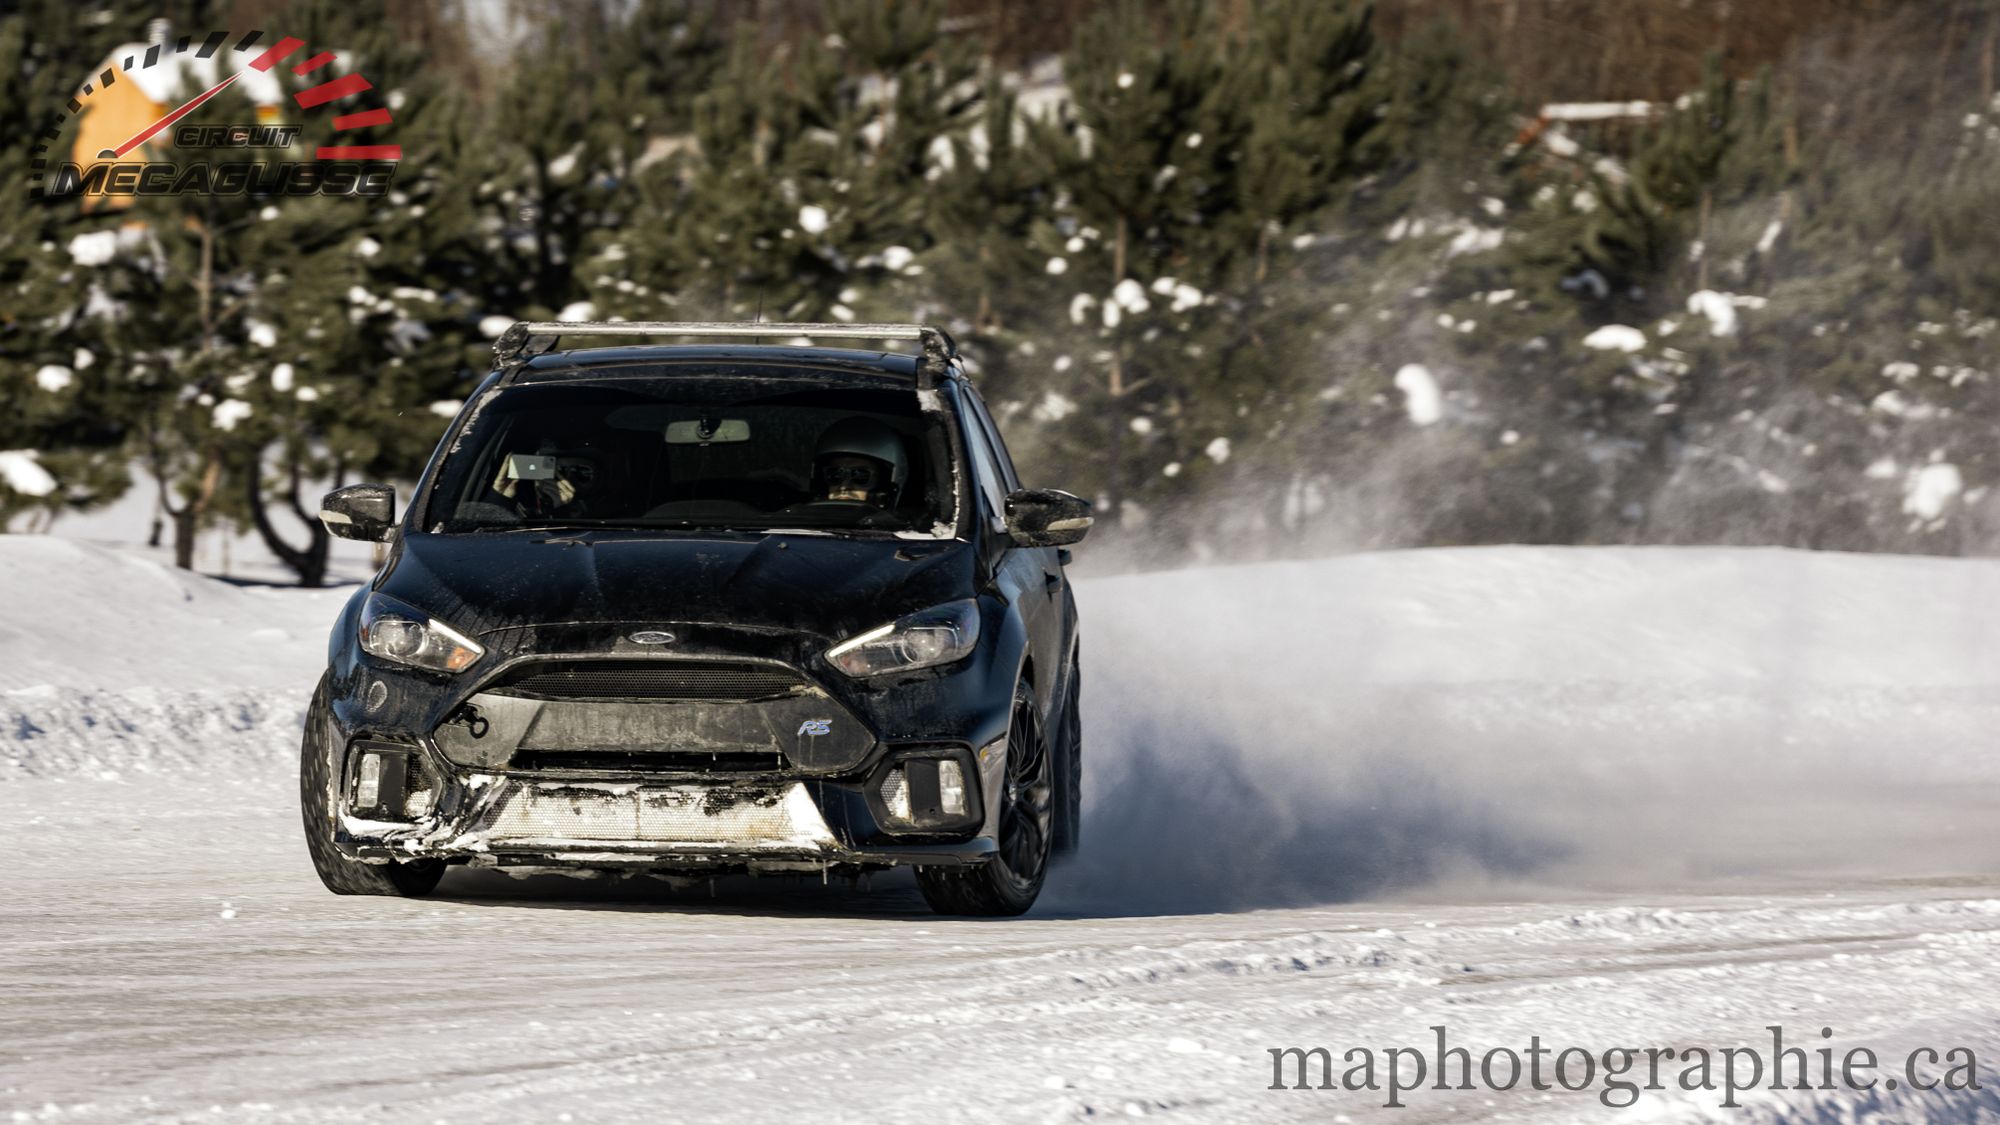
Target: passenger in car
[550, 482]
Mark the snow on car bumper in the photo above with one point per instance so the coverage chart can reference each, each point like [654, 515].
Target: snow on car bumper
[560, 813]
[511, 820]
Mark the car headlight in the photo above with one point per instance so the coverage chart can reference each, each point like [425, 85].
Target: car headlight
[404, 635]
[933, 636]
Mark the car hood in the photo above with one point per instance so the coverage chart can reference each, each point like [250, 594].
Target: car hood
[831, 587]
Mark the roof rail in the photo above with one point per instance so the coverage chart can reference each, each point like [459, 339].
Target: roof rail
[528, 338]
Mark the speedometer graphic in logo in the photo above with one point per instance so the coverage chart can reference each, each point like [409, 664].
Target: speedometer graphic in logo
[118, 136]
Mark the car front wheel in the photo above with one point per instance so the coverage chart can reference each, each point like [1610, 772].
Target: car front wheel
[1069, 769]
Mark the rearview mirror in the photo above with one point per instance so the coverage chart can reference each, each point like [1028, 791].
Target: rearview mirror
[360, 511]
[1046, 517]
[705, 431]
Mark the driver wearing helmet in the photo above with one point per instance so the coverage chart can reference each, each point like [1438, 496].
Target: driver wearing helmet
[860, 461]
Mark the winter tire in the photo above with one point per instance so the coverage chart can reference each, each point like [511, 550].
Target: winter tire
[1069, 767]
[1008, 883]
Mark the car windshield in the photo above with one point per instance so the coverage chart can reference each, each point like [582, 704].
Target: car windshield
[690, 452]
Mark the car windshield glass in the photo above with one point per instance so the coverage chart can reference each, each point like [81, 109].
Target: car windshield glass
[689, 452]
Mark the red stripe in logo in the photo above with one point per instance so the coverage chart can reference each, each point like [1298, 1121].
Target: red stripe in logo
[341, 87]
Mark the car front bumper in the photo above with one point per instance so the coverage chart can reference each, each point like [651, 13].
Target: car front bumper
[810, 802]
[762, 825]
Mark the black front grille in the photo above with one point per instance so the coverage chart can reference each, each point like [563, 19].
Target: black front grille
[637, 761]
[669, 680]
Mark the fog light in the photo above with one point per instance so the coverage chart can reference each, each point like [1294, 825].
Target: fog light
[951, 787]
[928, 791]
[388, 781]
[368, 791]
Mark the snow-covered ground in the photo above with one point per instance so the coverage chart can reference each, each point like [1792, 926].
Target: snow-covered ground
[1610, 798]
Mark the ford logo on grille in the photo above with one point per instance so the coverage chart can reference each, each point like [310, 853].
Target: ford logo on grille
[651, 637]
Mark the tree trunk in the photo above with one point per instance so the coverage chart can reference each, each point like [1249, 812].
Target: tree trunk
[309, 562]
[1707, 251]
[983, 315]
[187, 518]
[1661, 458]
[1986, 64]
[184, 529]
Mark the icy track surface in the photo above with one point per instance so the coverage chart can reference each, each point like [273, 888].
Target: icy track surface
[1610, 798]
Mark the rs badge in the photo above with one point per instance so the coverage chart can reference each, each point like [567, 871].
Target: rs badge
[816, 726]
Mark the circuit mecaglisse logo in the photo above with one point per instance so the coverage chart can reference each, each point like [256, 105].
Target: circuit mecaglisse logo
[123, 126]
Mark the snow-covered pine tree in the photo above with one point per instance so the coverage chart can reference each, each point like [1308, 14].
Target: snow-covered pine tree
[187, 284]
[375, 304]
[554, 166]
[996, 261]
[807, 182]
[712, 204]
[662, 55]
[1191, 158]
[991, 223]
[1146, 102]
[1315, 105]
[65, 414]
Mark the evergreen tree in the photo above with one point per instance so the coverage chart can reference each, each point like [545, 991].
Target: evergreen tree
[374, 303]
[806, 183]
[990, 220]
[319, 328]
[1190, 160]
[62, 404]
[1145, 102]
[1316, 104]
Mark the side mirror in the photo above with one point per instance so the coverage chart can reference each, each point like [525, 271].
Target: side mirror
[360, 511]
[1046, 517]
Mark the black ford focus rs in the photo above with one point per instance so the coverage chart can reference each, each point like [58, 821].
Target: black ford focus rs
[709, 608]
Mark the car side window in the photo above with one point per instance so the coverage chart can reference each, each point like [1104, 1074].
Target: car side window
[984, 468]
[1008, 477]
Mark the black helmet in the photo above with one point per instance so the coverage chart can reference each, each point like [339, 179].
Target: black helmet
[865, 437]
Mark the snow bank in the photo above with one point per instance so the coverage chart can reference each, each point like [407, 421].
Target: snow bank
[81, 616]
[111, 664]
[68, 733]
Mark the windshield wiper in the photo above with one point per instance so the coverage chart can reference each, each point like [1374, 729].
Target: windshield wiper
[483, 528]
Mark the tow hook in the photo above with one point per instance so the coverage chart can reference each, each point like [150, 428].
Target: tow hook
[468, 716]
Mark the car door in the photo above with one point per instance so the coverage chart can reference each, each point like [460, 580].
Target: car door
[1035, 571]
